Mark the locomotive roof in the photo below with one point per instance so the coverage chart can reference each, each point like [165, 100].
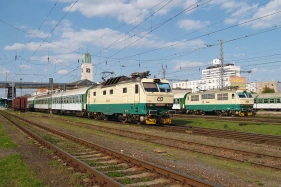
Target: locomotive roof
[124, 79]
[219, 91]
[115, 80]
[268, 95]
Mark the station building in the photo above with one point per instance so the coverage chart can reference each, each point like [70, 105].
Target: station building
[211, 78]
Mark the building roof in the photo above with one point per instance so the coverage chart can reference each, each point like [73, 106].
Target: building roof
[84, 82]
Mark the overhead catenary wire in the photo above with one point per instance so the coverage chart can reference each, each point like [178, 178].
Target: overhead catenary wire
[52, 30]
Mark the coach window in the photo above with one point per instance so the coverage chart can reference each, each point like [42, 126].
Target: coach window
[124, 90]
[278, 100]
[136, 89]
[94, 93]
[265, 101]
[111, 91]
[104, 92]
[271, 101]
[260, 100]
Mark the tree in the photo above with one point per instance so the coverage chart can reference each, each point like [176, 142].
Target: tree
[268, 90]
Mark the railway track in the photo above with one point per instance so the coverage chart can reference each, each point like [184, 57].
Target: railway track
[106, 167]
[244, 136]
[258, 120]
[253, 158]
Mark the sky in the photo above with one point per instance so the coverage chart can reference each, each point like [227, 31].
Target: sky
[42, 39]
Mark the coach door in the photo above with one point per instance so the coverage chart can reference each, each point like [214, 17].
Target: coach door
[137, 94]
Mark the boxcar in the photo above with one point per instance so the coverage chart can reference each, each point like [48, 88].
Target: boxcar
[20, 103]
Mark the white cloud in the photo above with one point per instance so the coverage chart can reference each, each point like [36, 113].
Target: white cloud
[270, 21]
[123, 10]
[62, 72]
[187, 65]
[192, 24]
[4, 70]
[24, 66]
[36, 33]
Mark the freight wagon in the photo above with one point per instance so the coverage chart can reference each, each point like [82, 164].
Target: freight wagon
[20, 104]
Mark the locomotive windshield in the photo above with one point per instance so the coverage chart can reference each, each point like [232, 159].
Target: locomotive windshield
[249, 95]
[164, 87]
[152, 87]
[244, 94]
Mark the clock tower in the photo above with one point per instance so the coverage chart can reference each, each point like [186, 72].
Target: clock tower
[87, 68]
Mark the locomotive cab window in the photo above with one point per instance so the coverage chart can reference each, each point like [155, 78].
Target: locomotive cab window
[241, 95]
[223, 96]
[249, 95]
[136, 88]
[164, 87]
[124, 90]
[150, 87]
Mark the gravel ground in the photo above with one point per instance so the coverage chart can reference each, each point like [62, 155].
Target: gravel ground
[212, 169]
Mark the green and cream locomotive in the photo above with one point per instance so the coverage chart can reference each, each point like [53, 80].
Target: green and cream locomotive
[137, 99]
[226, 102]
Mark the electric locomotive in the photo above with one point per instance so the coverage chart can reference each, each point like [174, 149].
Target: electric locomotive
[230, 101]
[222, 102]
[267, 101]
[135, 99]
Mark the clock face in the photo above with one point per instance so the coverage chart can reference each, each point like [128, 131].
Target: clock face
[88, 70]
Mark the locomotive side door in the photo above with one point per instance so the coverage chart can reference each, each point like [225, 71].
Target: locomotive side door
[232, 100]
[136, 94]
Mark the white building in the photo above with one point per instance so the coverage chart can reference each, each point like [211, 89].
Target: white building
[211, 77]
[87, 68]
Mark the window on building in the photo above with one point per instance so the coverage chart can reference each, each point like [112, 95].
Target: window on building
[104, 92]
[88, 70]
[94, 93]
[111, 91]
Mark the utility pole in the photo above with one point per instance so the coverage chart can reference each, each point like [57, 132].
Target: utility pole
[20, 87]
[164, 73]
[221, 61]
[51, 88]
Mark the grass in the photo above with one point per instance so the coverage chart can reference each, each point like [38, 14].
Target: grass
[14, 172]
[5, 140]
[246, 127]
